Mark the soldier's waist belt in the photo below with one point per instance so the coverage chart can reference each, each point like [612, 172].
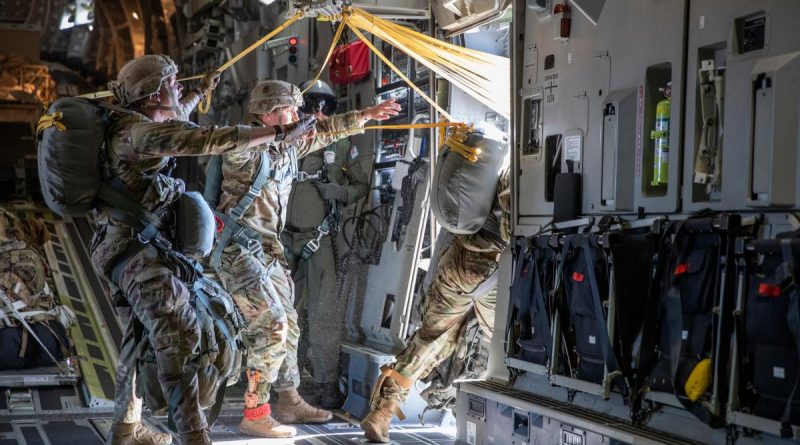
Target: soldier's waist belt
[295, 229]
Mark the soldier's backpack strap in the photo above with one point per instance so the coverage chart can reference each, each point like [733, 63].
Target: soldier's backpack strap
[789, 281]
[330, 222]
[232, 229]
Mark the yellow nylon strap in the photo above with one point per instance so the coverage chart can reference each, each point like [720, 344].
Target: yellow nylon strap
[399, 127]
[469, 153]
[224, 66]
[205, 107]
[50, 120]
[480, 74]
[386, 60]
[336, 38]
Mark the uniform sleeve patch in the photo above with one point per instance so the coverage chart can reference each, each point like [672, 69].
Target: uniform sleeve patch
[353, 152]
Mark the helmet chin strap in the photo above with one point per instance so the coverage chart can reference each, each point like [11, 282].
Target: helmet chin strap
[175, 105]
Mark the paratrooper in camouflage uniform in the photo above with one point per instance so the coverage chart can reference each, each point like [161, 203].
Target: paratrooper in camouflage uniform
[139, 149]
[255, 272]
[463, 267]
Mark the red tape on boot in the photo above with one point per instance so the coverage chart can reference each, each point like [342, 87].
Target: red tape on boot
[257, 413]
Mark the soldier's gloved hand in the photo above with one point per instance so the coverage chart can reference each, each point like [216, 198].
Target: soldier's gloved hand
[209, 82]
[331, 191]
[303, 129]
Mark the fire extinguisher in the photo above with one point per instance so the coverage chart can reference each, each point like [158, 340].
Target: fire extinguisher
[566, 20]
[661, 137]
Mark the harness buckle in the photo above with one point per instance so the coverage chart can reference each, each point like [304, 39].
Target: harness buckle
[254, 192]
[253, 246]
[313, 245]
[303, 176]
[142, 239]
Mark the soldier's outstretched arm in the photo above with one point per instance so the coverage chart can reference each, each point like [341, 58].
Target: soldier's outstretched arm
[176, 138]
[341, 126]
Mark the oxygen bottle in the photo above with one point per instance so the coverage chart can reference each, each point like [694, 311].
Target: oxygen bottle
[661, 137]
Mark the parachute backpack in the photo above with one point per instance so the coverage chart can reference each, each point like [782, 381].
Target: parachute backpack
[465, 185]
[71, 139]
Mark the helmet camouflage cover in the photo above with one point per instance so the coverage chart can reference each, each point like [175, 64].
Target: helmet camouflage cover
[141, 77]
[270, 95]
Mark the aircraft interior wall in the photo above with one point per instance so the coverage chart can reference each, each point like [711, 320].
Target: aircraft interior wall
[593, 163]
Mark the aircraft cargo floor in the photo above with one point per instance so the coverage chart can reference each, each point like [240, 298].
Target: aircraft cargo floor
[43, 407]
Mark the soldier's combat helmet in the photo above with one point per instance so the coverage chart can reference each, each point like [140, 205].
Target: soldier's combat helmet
[271, 95]
[141, 77]
[318, 97]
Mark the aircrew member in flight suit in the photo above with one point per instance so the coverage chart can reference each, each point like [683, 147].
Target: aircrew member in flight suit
[336, 178]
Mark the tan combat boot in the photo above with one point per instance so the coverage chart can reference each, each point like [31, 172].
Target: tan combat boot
[136, 434]
[257, 420]
[291, 408]
[199, 437]
[389, 392]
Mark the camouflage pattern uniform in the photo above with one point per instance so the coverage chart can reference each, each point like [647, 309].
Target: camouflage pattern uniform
[259, 281]
[24, 283]
[138, 151]
[464, 266]
[315, 278]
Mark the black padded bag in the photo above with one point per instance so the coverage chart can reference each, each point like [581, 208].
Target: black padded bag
[532, 306]
[770, 364]
[690, 318]
[51, 333]
[632, 252]
[581, 299]
[694, 267]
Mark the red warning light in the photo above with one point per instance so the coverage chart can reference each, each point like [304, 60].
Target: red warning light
[292, 41]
